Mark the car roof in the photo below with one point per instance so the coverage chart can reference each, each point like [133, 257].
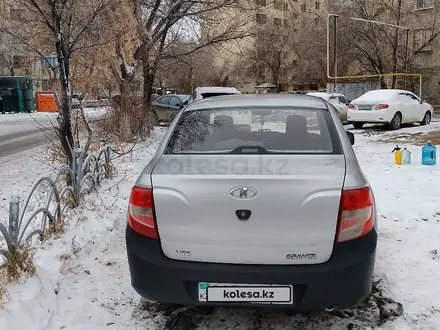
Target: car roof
[216, 89]
[324, 93]
[258, 100]
[390, 91]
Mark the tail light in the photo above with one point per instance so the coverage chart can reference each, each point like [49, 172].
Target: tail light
[351, 106]
[356, 217]
[382, 106]
[141, 212]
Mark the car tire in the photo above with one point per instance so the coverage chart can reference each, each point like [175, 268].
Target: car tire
[426, 119]
[358, 125]
[396, 122]
[154, 118]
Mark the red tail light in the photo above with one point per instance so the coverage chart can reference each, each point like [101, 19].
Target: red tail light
[351, 106]
[356, 217]
[141, 212]
[382, 106]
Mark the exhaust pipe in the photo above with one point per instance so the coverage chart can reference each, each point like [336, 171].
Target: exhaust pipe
[329, 308]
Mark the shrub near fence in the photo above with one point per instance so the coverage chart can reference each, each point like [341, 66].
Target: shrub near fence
[85, 175]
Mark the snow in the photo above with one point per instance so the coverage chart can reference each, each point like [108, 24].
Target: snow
[83, 281]
[19, 122]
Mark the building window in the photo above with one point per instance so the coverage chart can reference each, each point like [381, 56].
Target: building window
[261, 3]
[420, 4]
[279, 5]
[49, 62]
[421, 38]
[261, 18]
[277, 21]
[16, 14]
[317, 5]
[303, 7]
[19, 61]
[45, 85]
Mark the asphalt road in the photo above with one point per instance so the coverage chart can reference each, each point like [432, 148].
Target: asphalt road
[21, 132]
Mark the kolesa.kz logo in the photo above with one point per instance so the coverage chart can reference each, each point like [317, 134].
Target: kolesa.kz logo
[237, 294]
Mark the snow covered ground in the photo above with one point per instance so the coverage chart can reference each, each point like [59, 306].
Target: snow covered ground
[83, 280]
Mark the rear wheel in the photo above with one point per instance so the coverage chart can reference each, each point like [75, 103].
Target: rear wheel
[154, 119]
[396, 122]
[426, 119]
[358, 125]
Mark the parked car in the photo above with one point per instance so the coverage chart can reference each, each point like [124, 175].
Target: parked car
[339, 101]
[203, 92]
[165, 107]
[76, 97]
[393, 107]
[280, 215]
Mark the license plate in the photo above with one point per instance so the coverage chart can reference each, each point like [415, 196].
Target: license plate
[245, 293]
[364, 108]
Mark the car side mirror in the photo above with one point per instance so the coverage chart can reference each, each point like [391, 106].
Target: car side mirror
[350, 137]
[181, 106]
[185, 103]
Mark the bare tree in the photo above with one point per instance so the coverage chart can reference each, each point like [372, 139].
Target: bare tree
[382, 49]
[161, 22]
[65, 27]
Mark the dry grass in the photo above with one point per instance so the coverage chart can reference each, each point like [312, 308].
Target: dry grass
[418, 139]
[65, 257]
[16, 264]
[55, 230]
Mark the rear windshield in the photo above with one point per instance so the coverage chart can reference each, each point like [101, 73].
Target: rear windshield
[378, 95]
[254, 131]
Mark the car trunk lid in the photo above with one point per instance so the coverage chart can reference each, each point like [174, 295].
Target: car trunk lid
[293, 201]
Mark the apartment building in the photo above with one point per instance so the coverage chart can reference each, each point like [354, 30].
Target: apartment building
[267, 56]
[16, 57]
[420, 16]
[425, 29]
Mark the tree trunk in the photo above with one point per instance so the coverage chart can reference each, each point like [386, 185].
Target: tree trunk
[65, 130]
[149, 74]
[396, 43]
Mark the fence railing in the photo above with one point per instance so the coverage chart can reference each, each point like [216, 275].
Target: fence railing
[84, 175]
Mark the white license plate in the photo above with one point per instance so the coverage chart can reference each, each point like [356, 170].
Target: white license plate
[364, 108]
[245, 293]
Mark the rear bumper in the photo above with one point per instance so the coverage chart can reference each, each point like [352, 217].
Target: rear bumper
[344, 281]
[381, 116]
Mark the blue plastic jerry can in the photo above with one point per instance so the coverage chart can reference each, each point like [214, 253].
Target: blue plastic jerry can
[429, 154]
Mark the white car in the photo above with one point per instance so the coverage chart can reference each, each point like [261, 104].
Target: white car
[393, 107]
[339, 101]
[204, 92]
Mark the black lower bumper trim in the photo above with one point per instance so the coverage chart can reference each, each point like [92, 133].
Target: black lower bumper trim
[343, 281]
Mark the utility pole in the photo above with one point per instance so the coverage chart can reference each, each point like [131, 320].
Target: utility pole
[335, 69]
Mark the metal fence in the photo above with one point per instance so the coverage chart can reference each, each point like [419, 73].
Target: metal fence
[80, 179]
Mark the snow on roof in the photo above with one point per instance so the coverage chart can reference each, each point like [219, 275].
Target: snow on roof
[229, 90]
[266, 85]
